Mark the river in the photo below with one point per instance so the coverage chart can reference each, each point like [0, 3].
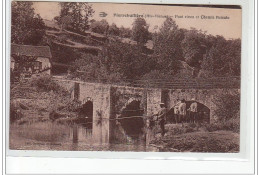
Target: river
[21, 138]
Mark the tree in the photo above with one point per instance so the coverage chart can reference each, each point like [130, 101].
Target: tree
[100, 27]
[94, 68]
[167, 46]
[113, 30]
[27, 27]
[223, 58]
[79, 12]
[140, 32]
[227, 106]
[129, 60]
[207, 66]
[125, 32]
[63, 22]
[116, 62]
[194, 47]
[22, 62]
[233, 57]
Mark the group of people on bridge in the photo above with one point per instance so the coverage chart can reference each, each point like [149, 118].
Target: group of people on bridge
[182, 112]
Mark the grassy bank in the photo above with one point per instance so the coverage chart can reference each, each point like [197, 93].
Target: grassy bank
[196, 139]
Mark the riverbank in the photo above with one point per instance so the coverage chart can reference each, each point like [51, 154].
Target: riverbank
[185, 139]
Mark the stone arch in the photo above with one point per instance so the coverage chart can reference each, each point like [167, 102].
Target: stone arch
[133, 127]
[129, 101]
[203, 111]
[86, 114]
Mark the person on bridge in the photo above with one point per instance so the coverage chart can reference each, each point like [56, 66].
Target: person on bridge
[176, 111]
[161, 118]
[193, 111]
[182, 111]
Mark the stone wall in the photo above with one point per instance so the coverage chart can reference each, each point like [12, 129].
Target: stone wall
[122, 96]
[100, 96]
[204, 96]
[154, 98]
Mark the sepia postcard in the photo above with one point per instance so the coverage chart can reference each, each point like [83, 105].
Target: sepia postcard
[88, 76]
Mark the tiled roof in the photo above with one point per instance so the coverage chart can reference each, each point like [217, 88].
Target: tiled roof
[27, 50]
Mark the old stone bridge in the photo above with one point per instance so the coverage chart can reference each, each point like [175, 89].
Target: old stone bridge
[106, 102]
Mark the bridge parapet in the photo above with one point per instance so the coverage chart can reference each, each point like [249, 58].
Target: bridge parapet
[176, 83]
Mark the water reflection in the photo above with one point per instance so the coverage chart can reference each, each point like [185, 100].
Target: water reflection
[87, 142]
[84, 141]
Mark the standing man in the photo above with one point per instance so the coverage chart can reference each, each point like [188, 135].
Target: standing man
[176, 111]
[161, 118]
[193, 111]
[182, 111]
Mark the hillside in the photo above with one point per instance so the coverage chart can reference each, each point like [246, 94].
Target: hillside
[111, 56]
[67, 46]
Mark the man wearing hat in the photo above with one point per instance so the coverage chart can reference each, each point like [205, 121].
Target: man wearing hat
[161, 117]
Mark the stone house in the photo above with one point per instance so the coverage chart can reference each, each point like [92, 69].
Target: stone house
[39, 59]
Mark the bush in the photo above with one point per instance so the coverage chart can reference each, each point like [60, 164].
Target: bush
[99, 26]
[178, 129]
[227, 106]
[232, 124]
[15, 113]
[70, 106]
[53, 115]
[212, 127]
[46, 84]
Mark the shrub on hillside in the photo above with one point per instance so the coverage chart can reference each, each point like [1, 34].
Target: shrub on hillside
[227, 106]
[46, 83]
[70, 106]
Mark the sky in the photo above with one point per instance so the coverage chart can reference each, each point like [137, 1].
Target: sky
[203, 18]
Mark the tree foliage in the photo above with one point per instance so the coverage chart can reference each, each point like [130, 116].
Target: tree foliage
[63, 21]
[140, 32]
[223, 58]
[167, 45]
[176, 52]
[22, 63]
[117, 62]
[100, 27]
[27, 27]
[194, 47]
[227, 106]
[125, 32]
[75, 15]
[113, 30]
